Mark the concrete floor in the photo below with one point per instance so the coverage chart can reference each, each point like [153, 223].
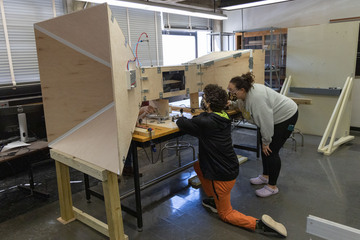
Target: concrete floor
[310, 184]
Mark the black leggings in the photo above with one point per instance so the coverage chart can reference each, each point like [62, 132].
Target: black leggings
[272, 163]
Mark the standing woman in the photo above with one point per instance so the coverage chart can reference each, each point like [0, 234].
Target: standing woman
[275, 115]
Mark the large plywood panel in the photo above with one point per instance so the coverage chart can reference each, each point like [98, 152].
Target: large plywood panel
[87, 29]
[321, 56]
[127, 102]
[226, 68]
[74, 86]
[216, 56]
[94, 141]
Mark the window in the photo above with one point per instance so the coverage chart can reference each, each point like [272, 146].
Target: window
[179, 47]
[182, 46]
[19, 17]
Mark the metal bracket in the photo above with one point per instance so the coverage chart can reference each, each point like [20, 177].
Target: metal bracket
[144, 99]
[237, 55]
[199, 73]
[124, 159]
[112, 18]
[198, 66]
[160, 95]
[187, 91]
[251, 62]
[186, 68]
[159, 70]
[143, 70]
[144, 78]
[200, 83]
[208, 64]
[145, 91]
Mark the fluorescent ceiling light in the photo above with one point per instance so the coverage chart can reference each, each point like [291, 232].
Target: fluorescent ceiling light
[252, 4]
[161, 8]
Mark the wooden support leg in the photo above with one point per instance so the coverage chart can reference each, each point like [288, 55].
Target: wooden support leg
[113, 207]
[194, 100]
[65, 198]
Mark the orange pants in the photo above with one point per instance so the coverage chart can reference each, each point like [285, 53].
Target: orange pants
[220, 191]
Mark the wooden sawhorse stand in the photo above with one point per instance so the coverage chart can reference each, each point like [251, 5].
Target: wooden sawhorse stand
[114, 229]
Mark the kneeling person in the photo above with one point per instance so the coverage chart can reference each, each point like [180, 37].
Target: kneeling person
[218, 165]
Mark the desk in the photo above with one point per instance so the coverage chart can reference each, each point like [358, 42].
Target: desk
[25, 152]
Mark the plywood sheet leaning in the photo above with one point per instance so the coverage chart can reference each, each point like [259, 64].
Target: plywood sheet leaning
[82, 60]
[321, 56]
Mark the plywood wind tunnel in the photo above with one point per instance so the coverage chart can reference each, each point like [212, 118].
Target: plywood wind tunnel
[89, 111]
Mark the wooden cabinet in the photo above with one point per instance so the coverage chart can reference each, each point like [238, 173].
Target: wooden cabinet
[273, 41]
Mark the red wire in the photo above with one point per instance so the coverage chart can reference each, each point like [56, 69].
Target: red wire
[136, 57]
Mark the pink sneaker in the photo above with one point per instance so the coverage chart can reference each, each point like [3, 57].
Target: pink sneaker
[259, 180]
[266, 191]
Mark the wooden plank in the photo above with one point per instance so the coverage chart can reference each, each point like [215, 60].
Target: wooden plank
[143, 132]
[86, 29]
[194, 100]
[95, 142]
[159, 132]
[91, 221]
[258, 68]
[73, 85]
[330, 230]
[78, 164]
[113, 207]
[127, 102]
[64, 189]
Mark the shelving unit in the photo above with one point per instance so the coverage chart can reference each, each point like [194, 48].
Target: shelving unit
[221, 38]
[273, 41]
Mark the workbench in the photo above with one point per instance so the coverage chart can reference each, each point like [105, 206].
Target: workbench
[161, 134]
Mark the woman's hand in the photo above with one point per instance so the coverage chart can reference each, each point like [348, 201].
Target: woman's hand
[266, 150]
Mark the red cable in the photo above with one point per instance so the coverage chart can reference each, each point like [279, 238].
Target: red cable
[136, 57]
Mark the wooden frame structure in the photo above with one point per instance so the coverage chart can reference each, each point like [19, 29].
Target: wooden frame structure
[92, 94]
[114, 228]
[335, 119]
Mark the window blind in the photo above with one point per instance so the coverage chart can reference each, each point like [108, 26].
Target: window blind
[20, 17]
[134, 22]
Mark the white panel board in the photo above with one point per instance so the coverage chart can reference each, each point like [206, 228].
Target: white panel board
[321, 56]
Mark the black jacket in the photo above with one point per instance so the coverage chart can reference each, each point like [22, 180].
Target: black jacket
[217, 157]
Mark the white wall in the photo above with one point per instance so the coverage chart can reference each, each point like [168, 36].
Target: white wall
[298, 13]
[295, 13]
